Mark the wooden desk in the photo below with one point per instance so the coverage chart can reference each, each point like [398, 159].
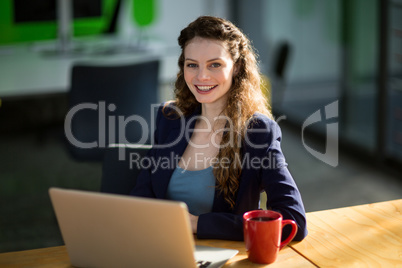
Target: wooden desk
[57, 257]
[287, 256]
[361, 236]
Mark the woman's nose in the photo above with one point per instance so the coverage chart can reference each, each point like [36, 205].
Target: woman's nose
[203, 74]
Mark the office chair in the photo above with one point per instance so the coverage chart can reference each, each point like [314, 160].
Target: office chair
[109, 104]
[119, 176]
[281, 60]
[280, 65]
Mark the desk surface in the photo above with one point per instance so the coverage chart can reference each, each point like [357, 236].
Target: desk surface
[361, 236]
[57, 257]
[287, 256]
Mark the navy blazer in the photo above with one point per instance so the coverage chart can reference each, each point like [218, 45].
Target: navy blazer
[264, 169]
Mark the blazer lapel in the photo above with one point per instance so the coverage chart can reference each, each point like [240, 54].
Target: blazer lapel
[166, 159]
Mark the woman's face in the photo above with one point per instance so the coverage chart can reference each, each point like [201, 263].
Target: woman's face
[208, 70]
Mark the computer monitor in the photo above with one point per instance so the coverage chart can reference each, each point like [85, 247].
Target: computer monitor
[36, 20]
[63, 11]
[46, 10]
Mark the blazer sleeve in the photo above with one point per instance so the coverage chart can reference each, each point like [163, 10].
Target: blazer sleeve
[282, 192]
[283, 195]
[220, 225]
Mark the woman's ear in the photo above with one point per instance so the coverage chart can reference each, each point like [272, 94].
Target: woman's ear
[236, 69]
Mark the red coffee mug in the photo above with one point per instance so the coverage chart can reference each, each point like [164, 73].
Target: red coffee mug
[263, 233]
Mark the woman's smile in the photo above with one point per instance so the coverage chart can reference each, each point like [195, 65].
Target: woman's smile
[205, 89]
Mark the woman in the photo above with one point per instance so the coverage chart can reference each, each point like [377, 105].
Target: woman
[221, 133]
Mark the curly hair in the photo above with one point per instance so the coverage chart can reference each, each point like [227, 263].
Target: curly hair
[244, 100]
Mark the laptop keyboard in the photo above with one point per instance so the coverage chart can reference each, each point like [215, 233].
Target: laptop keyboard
[203, 264]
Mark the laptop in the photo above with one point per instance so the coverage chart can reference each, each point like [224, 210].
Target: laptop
[108, 230]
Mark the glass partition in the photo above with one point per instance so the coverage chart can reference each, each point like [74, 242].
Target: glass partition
[332, 58]
[394, 90]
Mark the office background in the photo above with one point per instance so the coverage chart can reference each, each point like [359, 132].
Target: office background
[314, 53]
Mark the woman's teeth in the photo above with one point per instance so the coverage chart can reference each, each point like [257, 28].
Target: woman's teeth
[205, 88]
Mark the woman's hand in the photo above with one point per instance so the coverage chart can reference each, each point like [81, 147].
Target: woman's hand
[194, 222]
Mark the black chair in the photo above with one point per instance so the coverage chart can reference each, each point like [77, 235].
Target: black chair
[280, 64]
[121, 166]
[99, 96]
[281, 60]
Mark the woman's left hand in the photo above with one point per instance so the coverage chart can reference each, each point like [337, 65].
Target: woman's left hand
[194, 222]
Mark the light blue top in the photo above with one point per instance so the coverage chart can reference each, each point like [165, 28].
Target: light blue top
[195, 188]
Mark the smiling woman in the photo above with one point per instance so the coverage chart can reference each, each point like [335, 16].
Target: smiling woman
[218, 123]
[208, 71]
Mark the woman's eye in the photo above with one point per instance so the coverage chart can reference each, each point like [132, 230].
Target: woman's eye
[215, 65]
[191, 65]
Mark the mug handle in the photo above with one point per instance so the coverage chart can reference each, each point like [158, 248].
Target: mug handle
[292, 233]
